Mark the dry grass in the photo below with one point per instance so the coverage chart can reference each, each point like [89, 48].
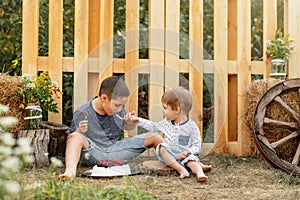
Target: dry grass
[232, 177]
[9, 97]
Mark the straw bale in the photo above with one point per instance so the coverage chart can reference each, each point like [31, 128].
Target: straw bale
[254, 92]
[9, 97]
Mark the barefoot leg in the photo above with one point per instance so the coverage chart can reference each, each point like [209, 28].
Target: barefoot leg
[198, 171]
[171, 162]
[76, 142]
[206, 168]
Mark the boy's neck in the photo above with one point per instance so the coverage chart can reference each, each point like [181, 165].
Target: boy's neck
[180, 119]
[98, 107]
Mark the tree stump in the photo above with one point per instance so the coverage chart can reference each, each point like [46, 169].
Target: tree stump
[157, 168]
[58, 138]
[39, 140]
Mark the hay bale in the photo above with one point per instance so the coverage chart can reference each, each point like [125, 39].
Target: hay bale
[254, 92]
[9, 97]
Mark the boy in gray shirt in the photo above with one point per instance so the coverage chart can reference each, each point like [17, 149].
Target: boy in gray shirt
[95, 129]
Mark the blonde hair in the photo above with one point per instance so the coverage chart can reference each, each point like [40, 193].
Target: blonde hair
[178, 97]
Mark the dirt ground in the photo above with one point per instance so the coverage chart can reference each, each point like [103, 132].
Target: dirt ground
[232, 177]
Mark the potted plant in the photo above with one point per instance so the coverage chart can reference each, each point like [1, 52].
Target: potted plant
[279, 51]
[38, 95]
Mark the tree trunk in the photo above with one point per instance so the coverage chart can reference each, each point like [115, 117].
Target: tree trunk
[58, 138]
[39, 140]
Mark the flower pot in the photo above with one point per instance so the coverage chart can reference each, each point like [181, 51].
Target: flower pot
[278, 69]
[33, 116]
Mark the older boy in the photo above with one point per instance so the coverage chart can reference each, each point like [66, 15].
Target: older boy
[95, 129]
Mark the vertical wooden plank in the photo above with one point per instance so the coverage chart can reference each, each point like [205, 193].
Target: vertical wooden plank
[232, 29]
[132, 52]
[232, 108]
[196, 58]
[232, 80]
[106, 39]
[294, 30]
[269, 29]
[244, 71]
[56, 50]
[220, 76]
[30, 36]
[81, 53]
[286, 16]
[172, 44]
[94, 26]
[156, 57]
[93, 45]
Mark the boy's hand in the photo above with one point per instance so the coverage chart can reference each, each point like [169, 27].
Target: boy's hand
[83, 126]
[130, 118]
[183, 155]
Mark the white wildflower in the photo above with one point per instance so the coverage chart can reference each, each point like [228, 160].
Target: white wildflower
[28, 158]
[55, 162]
[12, 163]
[8, 122]
[3, 109]
[12, 187]
[5, 151]
[55, 84]
[267, 42]
[7, 138]
[24, 146]
[30, 85]
[25, 78]
[87, 156]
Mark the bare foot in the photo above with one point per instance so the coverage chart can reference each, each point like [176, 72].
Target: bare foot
[184, 173]
[206, 168]
[202, 178]
[67, 175]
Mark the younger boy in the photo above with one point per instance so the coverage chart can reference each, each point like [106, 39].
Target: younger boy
[95, 129]
[181, 134]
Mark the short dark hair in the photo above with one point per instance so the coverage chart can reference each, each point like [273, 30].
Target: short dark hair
[178, 97]
[114, 87]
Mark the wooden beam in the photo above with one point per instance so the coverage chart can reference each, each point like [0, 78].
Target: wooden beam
[94, 27]
[106, 39]
[269, 29]
[196, 59]
[220, 76]
[132, 54]
[294, 30]
[30, 36]
[172, 44]
[156, 57]
[81, 53]
[56, 51]
[244, 71]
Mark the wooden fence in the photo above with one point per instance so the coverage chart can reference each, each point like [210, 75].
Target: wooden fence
[93, 55]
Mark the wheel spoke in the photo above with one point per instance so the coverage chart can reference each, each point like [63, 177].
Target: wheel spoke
[297, 156]
[280, 124]
[288, 109]
[284, 140]
[264, 140]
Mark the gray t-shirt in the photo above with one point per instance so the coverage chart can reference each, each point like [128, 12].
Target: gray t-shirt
[103, 130]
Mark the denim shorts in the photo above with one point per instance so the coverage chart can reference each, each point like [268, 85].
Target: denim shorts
[125, 150]
[175, 150]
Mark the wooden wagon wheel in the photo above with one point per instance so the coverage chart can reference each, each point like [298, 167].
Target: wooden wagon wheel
[276, 125]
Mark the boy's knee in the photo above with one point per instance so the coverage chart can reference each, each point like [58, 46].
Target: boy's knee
[75, 136]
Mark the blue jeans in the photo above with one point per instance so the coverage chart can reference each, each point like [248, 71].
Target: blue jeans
[125, 150]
